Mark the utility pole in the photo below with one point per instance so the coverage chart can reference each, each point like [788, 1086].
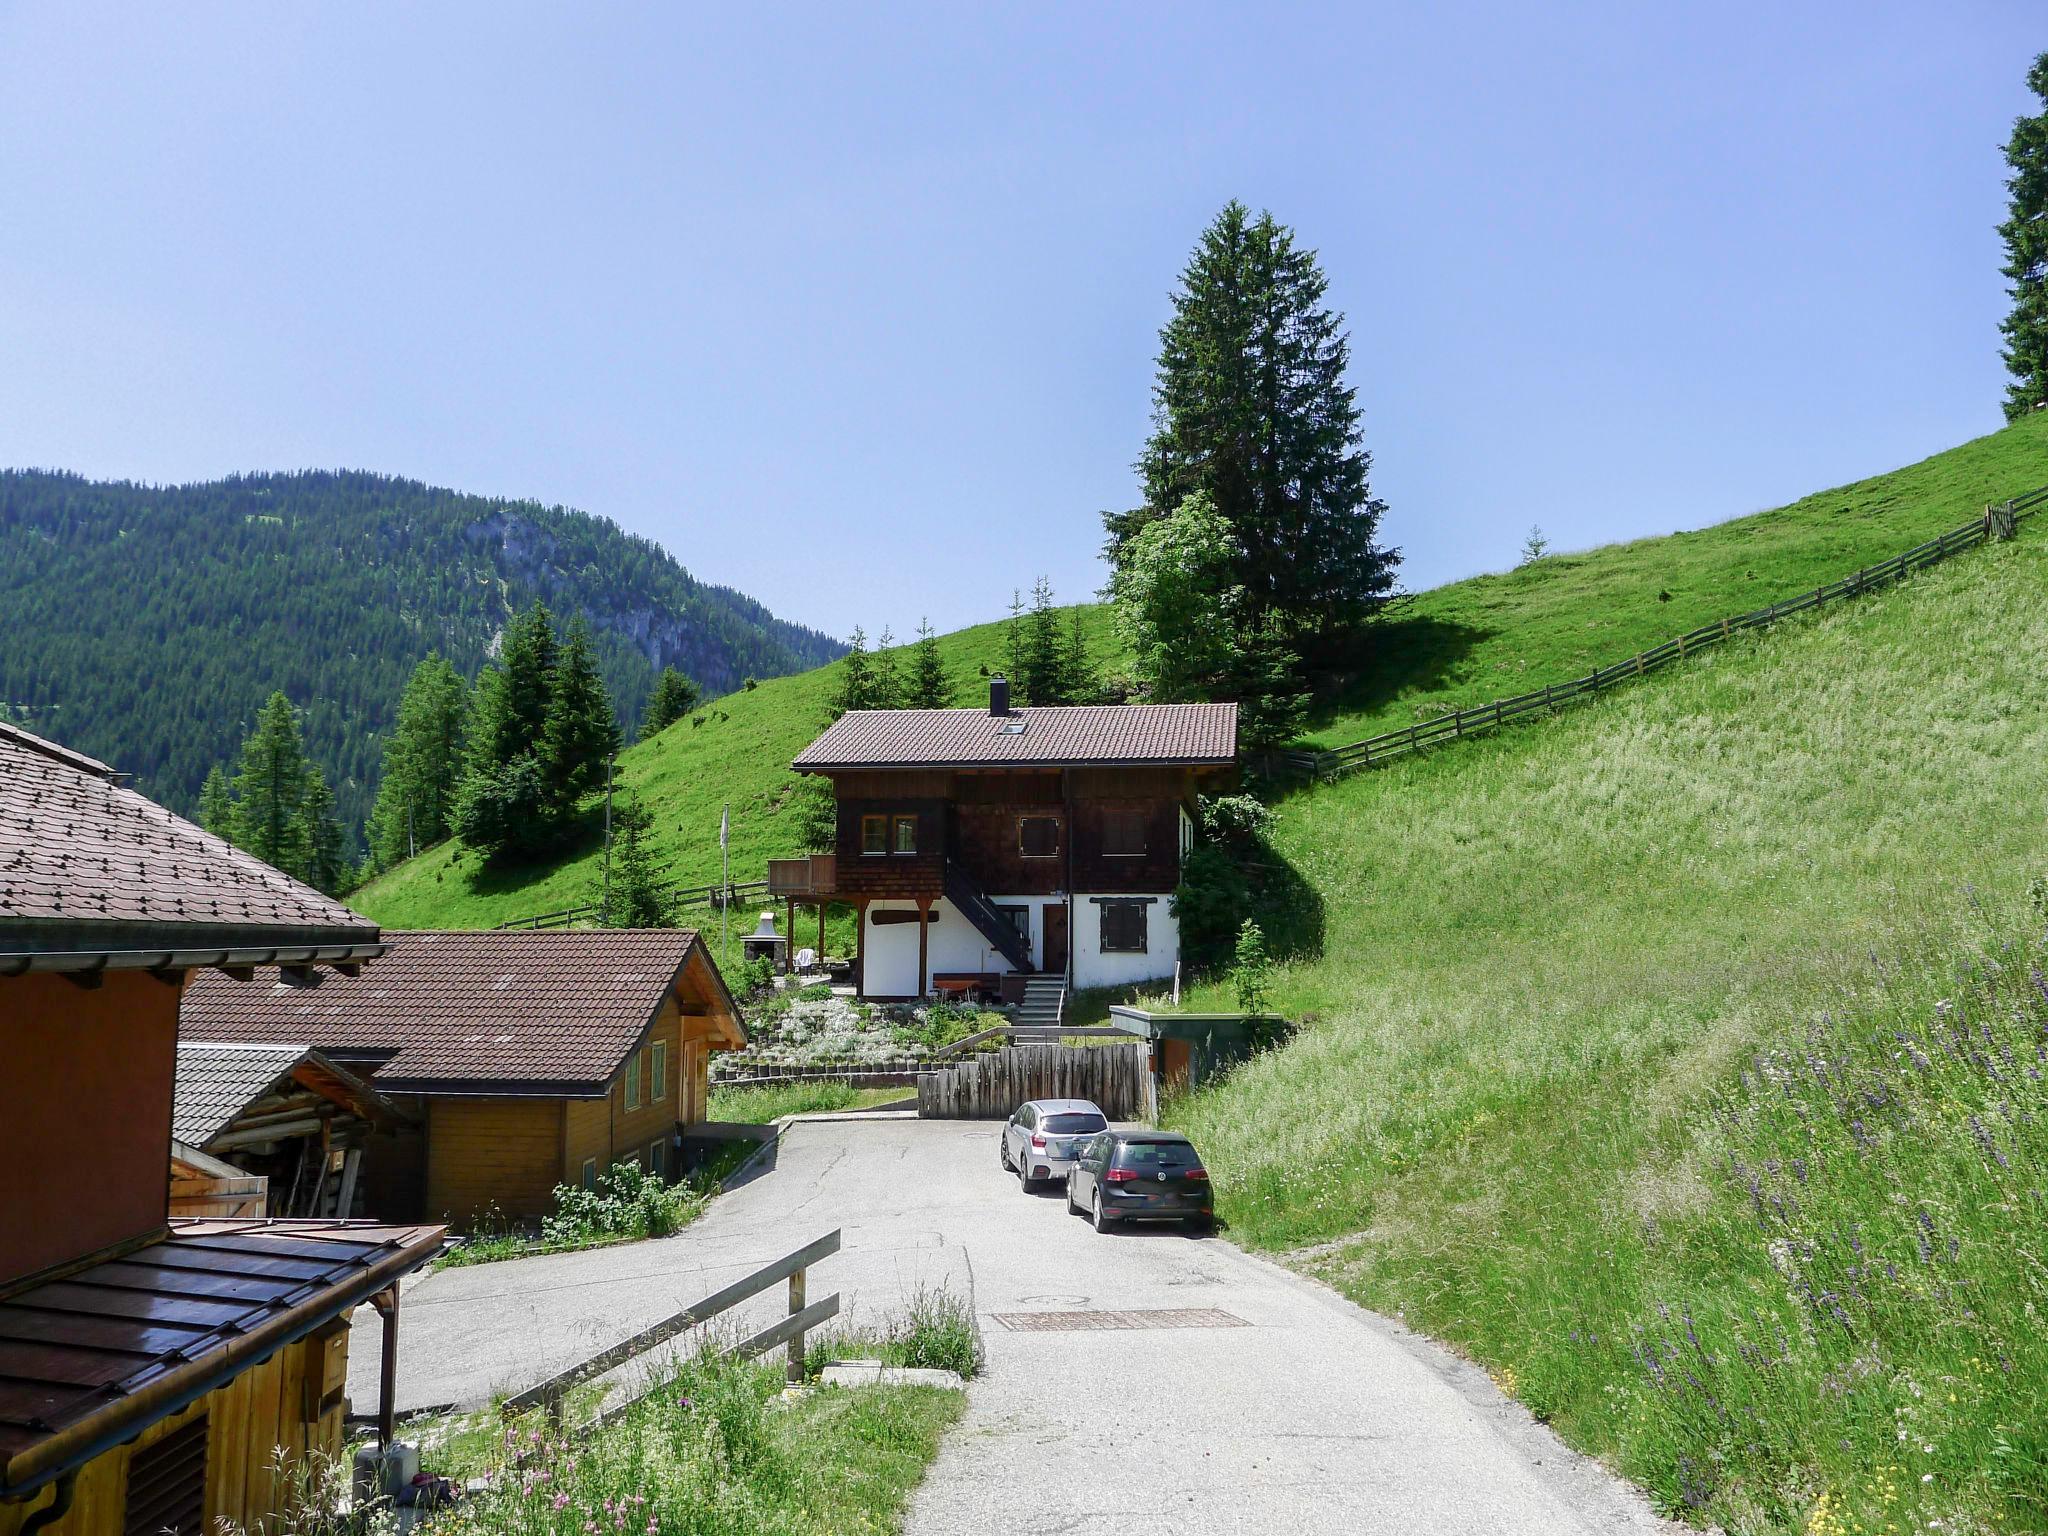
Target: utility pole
[608, 841]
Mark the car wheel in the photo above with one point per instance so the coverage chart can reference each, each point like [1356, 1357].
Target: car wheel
[1073, 1208]
[1101, 1218]
[1024, 1177]
[1199, 1226]
[1003, 1152]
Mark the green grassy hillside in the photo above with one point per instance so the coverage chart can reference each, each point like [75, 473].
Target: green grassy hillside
[1463, 644]
[738, 756]
[1459, 644]
[1622, 1068]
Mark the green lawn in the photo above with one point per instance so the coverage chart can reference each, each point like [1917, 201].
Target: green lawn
[1455, 645]
[1532, 972]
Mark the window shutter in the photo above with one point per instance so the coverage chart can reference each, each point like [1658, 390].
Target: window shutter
[167, 1484]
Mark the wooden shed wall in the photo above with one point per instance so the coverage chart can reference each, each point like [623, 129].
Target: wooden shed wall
[291, 1401]
[485, 1153]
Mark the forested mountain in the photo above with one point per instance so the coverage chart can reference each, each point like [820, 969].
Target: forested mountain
[146, 625]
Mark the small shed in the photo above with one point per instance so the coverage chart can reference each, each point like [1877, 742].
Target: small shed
[1190, 1047]
[282, 1114]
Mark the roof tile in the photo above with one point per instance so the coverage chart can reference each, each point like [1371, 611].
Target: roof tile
[1064, 736]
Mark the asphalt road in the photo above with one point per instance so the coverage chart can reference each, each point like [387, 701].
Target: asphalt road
[1314, 1416]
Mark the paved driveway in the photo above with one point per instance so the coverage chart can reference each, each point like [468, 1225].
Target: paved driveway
[1313, 1417]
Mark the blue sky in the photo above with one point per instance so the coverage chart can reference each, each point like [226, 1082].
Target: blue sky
[854, 308]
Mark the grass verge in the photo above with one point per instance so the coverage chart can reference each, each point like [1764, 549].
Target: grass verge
[759, 1104]
[1540, 966]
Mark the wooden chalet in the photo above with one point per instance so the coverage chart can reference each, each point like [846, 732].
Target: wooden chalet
[519, 1061]
[274, 1130]
[982, 848]
[151, 1370]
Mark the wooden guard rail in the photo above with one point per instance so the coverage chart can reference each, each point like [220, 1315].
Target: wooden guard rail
[803, 1316]
[1999, 521]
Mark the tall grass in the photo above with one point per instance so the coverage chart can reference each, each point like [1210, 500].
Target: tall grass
[1544, 962]
[759, 1103]
[714, 1452]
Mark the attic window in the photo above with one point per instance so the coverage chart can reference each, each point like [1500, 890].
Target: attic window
[1011, 728]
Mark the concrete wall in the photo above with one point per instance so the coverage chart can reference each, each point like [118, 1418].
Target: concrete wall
[1093, 968]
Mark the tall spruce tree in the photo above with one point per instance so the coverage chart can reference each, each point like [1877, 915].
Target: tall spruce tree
[888, 672]
[1013, 643]
[1081, 684]
[581, 734]
[1043, 677]
[327, 866]
[928, 686]
[856, 676]
[217, 805]
[2025, 232]
[631, 894]
[271, 790]
[674, 697]
[1251, 409]
[422, 764]
[508, 802]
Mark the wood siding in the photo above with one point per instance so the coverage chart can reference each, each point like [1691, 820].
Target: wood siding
[290, 1402]
[1156, 869]
[492, 1153]
[86, 1148]
[892, 874]
[992, 854]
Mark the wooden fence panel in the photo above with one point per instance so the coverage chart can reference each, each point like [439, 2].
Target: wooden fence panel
[992, 1085]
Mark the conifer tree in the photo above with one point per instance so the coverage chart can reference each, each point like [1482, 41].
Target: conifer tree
[271, 789]
[632, 896]
[1014, 642]
[888, 675]
[581, 734]
[422, 764]
[856, 676]
[326, 856]
[674, 696]
[217, 805]
[1251, 409]
[509, 803]
[2025, 232]
[1044, 673]
[1077, 668]
[928, 686]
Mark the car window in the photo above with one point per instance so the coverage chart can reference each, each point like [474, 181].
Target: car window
[1157, 1154]
[1027, 1117]
[1074, 1124]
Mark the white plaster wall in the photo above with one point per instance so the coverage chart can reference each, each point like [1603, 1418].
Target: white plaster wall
[1092, 968]
[955, 944]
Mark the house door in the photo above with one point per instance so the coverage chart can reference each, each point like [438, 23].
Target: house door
[1056, 937]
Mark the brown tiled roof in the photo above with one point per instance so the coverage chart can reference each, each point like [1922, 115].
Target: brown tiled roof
[108, 1350]
[466, 1012]
[1071, 736]
[88, 865]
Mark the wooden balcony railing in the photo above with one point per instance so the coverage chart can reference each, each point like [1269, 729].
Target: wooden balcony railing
[815, 874]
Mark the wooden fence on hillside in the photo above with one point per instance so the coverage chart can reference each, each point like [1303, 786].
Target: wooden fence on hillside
[678, 898]
[991, 1085]
[1999, 521]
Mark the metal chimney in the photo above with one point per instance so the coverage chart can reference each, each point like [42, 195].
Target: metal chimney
[999, 696]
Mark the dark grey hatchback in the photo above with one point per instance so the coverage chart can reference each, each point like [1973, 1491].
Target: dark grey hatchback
[1141, 1176]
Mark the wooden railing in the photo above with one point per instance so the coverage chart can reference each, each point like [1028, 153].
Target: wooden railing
[676, 898]
[803, 1316]
[1998, 521]
[815, 874]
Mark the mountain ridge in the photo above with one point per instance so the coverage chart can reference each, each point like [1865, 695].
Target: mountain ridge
[331, 585]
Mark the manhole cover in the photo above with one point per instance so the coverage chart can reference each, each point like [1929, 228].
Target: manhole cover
[1157, 1317]
[1054, 1301]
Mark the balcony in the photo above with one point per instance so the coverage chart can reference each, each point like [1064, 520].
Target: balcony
[815, 874]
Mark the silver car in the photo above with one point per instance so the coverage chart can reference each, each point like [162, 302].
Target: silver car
[1045, 1136]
